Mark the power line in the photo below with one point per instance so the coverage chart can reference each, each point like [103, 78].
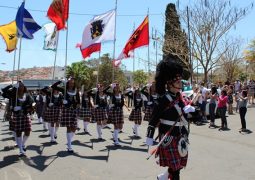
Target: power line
[83, 14]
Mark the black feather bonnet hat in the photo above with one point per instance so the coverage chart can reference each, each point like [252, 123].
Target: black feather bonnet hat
[167, 70]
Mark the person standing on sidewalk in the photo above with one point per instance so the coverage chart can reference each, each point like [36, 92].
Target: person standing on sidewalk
[212, 105]
[243, 109]
[222, 107]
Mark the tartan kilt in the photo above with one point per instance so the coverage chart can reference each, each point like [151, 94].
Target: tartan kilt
[85, 113]
[68, 117]
[169, 155]
[100, 114]
[147, 113]
[136, 116]
[116, 116]
[52, 114]
[21, 122]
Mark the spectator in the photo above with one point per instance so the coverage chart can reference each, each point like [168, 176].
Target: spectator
[222, 107]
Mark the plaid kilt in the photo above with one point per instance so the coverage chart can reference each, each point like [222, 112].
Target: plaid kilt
[100, 114]
[68, 117]
[21, 122]
[169, 155]
[85, 113]
[136, 116]
[147, 113]
[52, 114]
[116, 116]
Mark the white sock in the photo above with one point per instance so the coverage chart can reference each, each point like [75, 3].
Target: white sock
[69, 140]
[44, 125]
[49, 126]
[19, 142]
[52, 133]
[85, 124]
[115, 135]
[136, 129]
[56, 130]
[163, 176]
[99, 131]
[24, 140]
[15, 136]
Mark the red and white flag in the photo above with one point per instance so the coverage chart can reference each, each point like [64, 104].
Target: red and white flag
[100, 29]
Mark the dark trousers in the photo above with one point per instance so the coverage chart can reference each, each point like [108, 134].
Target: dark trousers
[212, 107]
[174, 175]
[222, 111]
[242, 111]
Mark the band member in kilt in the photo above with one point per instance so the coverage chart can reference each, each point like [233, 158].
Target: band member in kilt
[20, 116]
[136, 113]
[69, 111]
[116, 116]
[40, 107]
[152, 99]
[85, 112]
[8, 94]
[168, 117]
[100, 109]
[52, 112]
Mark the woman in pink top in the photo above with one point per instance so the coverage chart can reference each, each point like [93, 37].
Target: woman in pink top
[222, 106]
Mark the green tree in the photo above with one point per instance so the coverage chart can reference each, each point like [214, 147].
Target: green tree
[82, 73]
[175, 40]
[140, 77]
[105, 72]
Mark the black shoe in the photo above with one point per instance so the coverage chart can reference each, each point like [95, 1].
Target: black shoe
[121, 131]
[70, 150]
[101, 139]
[87, 133]
[22, 155]
[24, 148]
[55, 136]
[53, 142]
[78, 129]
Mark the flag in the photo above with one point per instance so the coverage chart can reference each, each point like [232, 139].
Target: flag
[117, 61]
[51, 37]
[9, 33]
[58, 13]
[100, 29]
[140, 37]
[25, 23]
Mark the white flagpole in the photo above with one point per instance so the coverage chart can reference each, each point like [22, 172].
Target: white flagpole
[66, 57]
[114, 42]
[99, 60]
[14, 63]
[133, 104]
[148, 49]
[54, 67]
[18, 70]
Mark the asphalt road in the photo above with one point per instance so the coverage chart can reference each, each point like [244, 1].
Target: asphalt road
[213, 154]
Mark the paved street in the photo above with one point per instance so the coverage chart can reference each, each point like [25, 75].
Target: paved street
[214, 155]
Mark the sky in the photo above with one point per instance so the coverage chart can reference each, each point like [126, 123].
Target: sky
[130, 13]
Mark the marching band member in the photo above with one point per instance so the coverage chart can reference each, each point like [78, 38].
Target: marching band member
[52, 113]
[116, 115]
[22, 102]
[85, 109]
[168, 116]
[69, 111]
[136, 113]
[152, 99]
[100, 110]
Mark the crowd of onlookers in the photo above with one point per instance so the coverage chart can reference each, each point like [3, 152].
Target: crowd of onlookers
[221, 97]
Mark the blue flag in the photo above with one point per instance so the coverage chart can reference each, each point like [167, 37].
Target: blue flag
[26, 25]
